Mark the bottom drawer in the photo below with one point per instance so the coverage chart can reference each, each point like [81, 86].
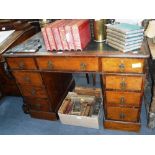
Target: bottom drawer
[119, 125]
[123, 114]
[44, 115]
[38, 104]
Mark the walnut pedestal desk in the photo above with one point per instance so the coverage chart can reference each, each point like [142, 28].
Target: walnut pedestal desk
[44, 79]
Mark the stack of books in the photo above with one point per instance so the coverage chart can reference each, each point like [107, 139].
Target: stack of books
[67, 35]
[125, 37]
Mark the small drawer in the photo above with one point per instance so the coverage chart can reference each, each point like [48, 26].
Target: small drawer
[125, 65]
[33, 91]
[28, 78]
[38, 104]
[114, 98]
[21, 63]
[132, 83]
[123, 114]
[68, 63]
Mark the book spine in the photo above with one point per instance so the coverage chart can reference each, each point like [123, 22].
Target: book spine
[124, 42]
[123, 46]
[123, 50]
[57, 38]
[85, 35]
[123, 35]
[47, 45]
[51, 38]
[124, 39]
[63, 38]
[76, 37]
[69, 37]
[135, 31]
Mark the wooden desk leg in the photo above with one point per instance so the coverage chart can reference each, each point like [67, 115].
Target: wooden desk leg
[87, 77]
[94, 80]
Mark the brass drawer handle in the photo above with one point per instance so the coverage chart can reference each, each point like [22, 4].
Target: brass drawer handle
[33, 91]
[27, 79]
[21, 65]
[122, 67]
[50, 65]
[123, 84]
[122, 115]
[83, 66]
[122, 100]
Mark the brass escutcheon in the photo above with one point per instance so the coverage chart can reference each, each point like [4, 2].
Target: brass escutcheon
[123, 84]
[122, 67]
[21, 65]
[50, 65]
[122, 115]
[83, 66]
[122, 100]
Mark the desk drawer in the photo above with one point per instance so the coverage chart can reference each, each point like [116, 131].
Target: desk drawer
[132, 83]
[29, 78]
[68, 63]
[21, 63]
[125, 65]
[38, 104]
[123, 114]
[33, 91]
[114, 98]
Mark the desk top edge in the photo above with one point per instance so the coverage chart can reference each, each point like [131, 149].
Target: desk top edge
[92, 50]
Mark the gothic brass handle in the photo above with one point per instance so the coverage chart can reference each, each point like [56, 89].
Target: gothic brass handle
[21, 65]
[27, 79]
[123, 85]
[33, 92]
[50, 65]
[122, 67]
[122, 115]
[83, 66]
[122, 100]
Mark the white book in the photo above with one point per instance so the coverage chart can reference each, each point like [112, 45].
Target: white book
[126, 28]
[141, 36]
[125, 43]
[109, 31]
[124, 50]
[4, 35]
[123, 46]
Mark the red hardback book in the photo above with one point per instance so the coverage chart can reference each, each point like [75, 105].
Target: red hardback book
[69, 35]
[81, 33]
[47, 45]
[56, 34]
[62, 32]
[50, 37]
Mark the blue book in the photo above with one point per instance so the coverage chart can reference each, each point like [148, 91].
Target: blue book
[126, 28]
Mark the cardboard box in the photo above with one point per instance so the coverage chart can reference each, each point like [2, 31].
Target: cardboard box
[84, 121]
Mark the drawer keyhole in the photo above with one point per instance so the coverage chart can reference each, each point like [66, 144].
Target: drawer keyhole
[27, 79]
[21, 65]
[123, 84]
[83, 66]
[33, 92]
[50, 65]
[122, 67]
[122, 100]
[122, 115]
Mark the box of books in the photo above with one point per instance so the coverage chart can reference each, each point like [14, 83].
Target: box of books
[82, 107]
